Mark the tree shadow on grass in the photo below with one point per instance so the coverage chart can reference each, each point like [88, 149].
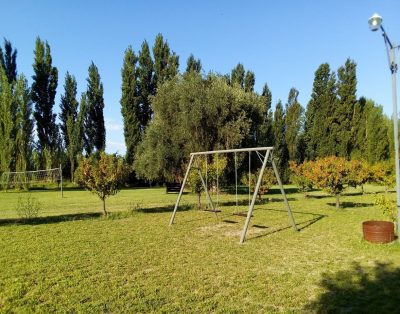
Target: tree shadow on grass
[50, 219]
[163, 209]
[359, 290]
[344, 205]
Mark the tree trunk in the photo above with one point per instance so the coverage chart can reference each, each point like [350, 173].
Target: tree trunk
[104, 207]
[198, 200]
[72, 171]
[337, 201]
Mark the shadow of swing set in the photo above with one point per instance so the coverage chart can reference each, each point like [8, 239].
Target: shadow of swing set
[266, 158]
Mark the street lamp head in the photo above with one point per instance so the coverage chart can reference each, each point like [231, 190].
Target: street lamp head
[375, 22]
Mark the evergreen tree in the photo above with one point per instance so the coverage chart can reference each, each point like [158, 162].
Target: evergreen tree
[95, 131]
[249, 81]
[237, 75]
[68, 106]
[193, 65]
[43, 93]
[130, 109]
[8, 60]
[294, 123]
[145, 84]
[319, 113]
[359, 130]
[342, 123]
[6, 123]
[281, 150]
[265, 133]
[24, 125]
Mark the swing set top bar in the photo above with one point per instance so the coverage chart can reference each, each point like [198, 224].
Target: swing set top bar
[252, 149]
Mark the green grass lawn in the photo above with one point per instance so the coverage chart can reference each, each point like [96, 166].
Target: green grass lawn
[74, 260]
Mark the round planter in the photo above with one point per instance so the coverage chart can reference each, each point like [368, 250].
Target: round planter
[378, 231]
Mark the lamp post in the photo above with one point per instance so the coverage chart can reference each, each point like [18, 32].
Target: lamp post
[375, 23]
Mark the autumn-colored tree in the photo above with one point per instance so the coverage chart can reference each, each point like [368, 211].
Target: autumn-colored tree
[102, 175]
[330, 174]
[359, 173]
[382, 174]
[268, 180]
[298, 178]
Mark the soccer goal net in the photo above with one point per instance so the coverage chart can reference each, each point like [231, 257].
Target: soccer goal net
[28, 178]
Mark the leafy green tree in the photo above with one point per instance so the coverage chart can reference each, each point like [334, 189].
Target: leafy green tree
[249, 81]
[298, 176]
[268, 180]
[23, 124]
[8, 60]
[193, 114]
[95, 131]
[103, 175]
[318, 136]
[130, 108]
[281, 150]
[145, 85]
[193, 64]
[43, 93]
[237, 75]
[294, 121]
[6, 123]
[342, 127]
[68, 105]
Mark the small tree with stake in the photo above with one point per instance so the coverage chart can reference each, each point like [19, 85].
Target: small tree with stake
[102, 175]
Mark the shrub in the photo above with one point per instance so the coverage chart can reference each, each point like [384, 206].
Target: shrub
[388, 207]
[28, 207]
[298, 178]
[359, 173]
[268, 180]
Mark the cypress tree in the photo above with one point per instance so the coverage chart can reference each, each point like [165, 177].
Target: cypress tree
[193, 64]
[166, 64]
[43, 93]
[130, 109]
[145, 84]
[249, 81]
[281, 151]
[24, 125]
[95, 131]
[68, 105]
[294, 123]
[237, 75]
[8, 60]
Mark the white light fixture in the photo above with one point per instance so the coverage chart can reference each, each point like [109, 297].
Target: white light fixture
[375, 22]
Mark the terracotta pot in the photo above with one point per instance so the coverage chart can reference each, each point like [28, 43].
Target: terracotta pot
[378, 231]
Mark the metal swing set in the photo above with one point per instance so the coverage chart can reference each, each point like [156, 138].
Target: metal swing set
[268, 157]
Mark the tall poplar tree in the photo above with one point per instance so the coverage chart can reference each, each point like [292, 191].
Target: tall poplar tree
[6, 123]
[145, 84]
[237, 75]
[8, 60]
[43, 94]
[281, 150]
[342, 124]
[24, 125]
[68, 105]
[265, 133]
[320, 109]
[95, 131]
[193, 64]
[294, 123]
[130, 101]
[249, 81]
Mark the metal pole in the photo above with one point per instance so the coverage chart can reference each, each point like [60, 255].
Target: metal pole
[291, 218]
[206, 191]
[393, 68]
[253, 201]
[61, 182]
[181, 191]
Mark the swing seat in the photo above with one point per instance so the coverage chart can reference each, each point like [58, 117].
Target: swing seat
[242, 214]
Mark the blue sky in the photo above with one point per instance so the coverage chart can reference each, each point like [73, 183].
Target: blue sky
[282, 42]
